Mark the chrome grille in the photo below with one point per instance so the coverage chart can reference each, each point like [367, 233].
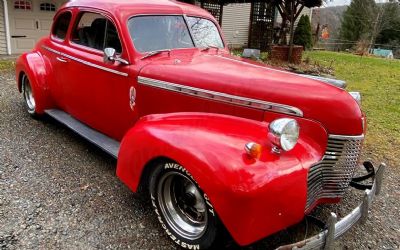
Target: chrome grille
[330, 177]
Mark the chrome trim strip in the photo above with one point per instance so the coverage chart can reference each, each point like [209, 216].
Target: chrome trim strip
[334, 82]
[222, 97]
[85, 62]
[347, 137]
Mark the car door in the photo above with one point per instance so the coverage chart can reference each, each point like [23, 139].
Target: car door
[98, 93]
[52, 50]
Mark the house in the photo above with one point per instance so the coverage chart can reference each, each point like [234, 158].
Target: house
[24, 22]
[386, 53]
[237, 19]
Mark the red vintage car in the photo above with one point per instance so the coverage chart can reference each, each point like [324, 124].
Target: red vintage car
[218, 141]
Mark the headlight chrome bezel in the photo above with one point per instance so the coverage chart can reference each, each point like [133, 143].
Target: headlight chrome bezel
[357, 96]
[284, 134]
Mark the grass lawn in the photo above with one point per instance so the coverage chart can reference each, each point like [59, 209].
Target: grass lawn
[6, 65]
[378, 80]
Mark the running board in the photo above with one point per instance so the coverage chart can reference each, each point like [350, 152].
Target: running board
[104, 142]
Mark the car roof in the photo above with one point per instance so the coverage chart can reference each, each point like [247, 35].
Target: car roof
[128, 8]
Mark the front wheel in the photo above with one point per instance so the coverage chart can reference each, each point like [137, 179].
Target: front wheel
[183, 210]
[29, 98]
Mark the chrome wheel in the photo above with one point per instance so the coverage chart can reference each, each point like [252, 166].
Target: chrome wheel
[182, 205]
[28, 95]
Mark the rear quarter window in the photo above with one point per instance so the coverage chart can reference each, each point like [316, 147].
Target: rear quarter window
[61, 25]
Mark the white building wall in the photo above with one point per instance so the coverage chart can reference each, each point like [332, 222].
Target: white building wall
[236, 24]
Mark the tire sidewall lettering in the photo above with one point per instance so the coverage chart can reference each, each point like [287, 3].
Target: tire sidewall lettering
[174, 166]
[181, 169]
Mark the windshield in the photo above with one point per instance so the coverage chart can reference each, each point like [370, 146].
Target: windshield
[204, 32]
[153, 33]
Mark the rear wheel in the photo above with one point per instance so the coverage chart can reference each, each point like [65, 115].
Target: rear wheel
[182, 208]
[29, 98]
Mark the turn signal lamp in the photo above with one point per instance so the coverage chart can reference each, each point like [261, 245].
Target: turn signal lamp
[253, 149]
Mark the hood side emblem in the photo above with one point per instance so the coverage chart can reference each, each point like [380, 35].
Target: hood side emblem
[132, 97]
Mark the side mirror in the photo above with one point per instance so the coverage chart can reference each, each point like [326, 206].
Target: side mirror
[110, 56]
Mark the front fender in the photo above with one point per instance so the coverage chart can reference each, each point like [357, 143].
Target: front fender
[34, 66]
[253, 198]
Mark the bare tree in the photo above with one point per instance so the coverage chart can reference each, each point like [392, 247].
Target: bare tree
[290, 11]
[386, 15]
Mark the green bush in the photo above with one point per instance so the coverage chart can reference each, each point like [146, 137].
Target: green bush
[302, 33]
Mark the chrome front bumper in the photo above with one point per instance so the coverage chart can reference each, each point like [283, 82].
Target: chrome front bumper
[335, 229]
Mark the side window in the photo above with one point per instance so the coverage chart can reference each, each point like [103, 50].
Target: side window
[61, 25]
[97, 32]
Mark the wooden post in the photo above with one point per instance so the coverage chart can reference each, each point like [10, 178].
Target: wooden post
[249, 44]
[221, 11]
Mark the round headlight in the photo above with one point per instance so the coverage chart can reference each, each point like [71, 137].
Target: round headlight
[284, 133]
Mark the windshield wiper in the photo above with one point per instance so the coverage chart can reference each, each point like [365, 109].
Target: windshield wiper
[208, 47]
[156, 52]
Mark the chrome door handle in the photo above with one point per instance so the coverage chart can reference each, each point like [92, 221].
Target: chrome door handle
[62, 59]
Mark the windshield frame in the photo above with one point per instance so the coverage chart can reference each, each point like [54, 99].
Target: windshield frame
[187, 26]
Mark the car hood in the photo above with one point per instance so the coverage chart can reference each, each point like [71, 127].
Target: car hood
[333, 107]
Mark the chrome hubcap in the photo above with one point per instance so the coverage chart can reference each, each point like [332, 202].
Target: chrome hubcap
[30, 101]
[182, 205]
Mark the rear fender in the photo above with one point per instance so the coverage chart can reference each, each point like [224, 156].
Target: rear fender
[33, 65]
[253, 198]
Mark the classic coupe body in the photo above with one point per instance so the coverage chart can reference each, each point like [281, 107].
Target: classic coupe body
[216, 140]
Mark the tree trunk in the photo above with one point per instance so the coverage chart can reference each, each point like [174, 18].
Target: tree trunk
[374, 34]
[292, 13]
[282, 35]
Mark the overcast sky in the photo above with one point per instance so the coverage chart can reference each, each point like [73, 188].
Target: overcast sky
[336, 2]
[328, 3]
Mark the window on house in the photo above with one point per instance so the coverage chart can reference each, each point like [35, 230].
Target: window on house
[22, 5]
[47, 7]
[61, 25]
[96, 31]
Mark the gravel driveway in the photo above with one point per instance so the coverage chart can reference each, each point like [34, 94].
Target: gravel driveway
[58, 191]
